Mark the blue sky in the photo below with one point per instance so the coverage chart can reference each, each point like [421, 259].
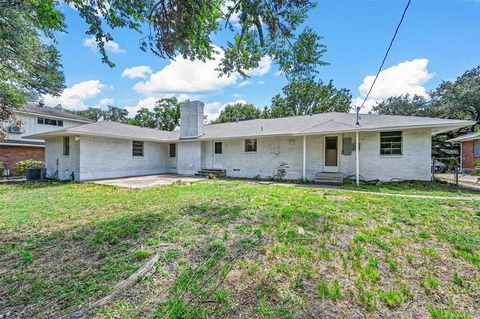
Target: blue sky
[438, 41]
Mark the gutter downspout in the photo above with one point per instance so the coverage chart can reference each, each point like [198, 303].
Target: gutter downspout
[304, 167]
[357, 159]
[461, 157]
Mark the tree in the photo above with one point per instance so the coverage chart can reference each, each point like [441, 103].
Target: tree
[459, 99]
[406, 105]
[144, 118]
[92, 113]
[115, 114]
[28, 68]
[176, 27]
[302, 97]
[164, 116]
[238, 112]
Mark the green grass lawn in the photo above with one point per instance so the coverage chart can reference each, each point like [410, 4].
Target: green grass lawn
[235, 249]
[415, 188]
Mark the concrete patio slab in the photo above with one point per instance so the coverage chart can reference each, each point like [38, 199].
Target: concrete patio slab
[140, 182]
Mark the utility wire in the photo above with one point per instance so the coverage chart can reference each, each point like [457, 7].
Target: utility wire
[386, 54]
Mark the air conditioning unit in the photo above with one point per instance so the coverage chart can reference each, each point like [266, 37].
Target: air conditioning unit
[16, 129]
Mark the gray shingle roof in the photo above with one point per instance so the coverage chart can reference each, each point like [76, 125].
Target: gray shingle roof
[50, 111]
[111, 129]
[298, 125]
[325, 123]
[466, 137]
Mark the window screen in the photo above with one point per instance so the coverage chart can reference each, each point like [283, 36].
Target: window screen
[137, 148]
[250, 145]
[218, 148]
[66, 145]
[476, 148]
[172, 150]
[391, 143]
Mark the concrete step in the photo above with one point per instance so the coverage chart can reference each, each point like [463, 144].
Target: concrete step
[206, 172]
[328, 178]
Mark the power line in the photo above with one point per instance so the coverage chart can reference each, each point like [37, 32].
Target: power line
[386, 53]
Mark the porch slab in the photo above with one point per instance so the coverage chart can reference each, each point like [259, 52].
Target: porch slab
[140, 182]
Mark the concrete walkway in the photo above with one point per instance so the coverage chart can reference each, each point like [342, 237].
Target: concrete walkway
[140, 182]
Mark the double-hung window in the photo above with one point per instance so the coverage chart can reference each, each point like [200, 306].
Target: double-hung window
[476, 148]
[391, 143]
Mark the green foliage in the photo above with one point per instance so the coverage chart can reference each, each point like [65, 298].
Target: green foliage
[165, 115]
[445, 313]
[22, 166]
[324, 290]
[304, 97]
[238, 112]
[392, 298]
[28, 67]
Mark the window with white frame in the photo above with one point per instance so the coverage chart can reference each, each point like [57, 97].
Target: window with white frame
[46, 121]
[137, 148]
[251, 145]
[391, 143]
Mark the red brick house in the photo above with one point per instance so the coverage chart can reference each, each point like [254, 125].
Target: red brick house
[469, 150]
[27, 120]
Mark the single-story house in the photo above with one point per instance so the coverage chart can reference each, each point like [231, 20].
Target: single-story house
[380, 147]
[32, 119]
[469, 151]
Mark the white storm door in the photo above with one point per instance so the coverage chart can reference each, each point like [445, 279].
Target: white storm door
[217, 155]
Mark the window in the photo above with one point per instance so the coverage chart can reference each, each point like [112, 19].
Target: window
[137, 148]
[391, 143]
[250, 145]
[66, 145]
[172, 151]
[476, 148]
[42, 120]
[218, 147]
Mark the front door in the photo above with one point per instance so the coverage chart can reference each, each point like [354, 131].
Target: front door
[217, 155]
[331, 154]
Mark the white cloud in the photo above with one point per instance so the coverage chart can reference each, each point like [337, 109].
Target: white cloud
[75, 96]
[404, 78]
[110, 46]
[140, 71]
[212, 110]
[244, 83]
[261, 82]
[106, 101]
[263, 67]
[185, 76]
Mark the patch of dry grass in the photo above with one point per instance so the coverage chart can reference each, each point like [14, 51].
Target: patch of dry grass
[233, 249]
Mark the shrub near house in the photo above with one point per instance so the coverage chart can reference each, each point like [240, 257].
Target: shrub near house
[22, 166]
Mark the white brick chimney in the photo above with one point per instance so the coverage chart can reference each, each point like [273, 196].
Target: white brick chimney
[191, 119]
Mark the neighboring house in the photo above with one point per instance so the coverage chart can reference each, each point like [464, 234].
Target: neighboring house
[469, 150]
[32, 119]
[381, 147]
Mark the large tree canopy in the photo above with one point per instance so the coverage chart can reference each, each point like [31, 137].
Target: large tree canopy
[164, 116]
[303, 97]
[28, 67]
[238, 112]
[257, 28]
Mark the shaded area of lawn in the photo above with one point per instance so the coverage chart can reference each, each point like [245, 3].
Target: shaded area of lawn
[415, 188]
[233, 249]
